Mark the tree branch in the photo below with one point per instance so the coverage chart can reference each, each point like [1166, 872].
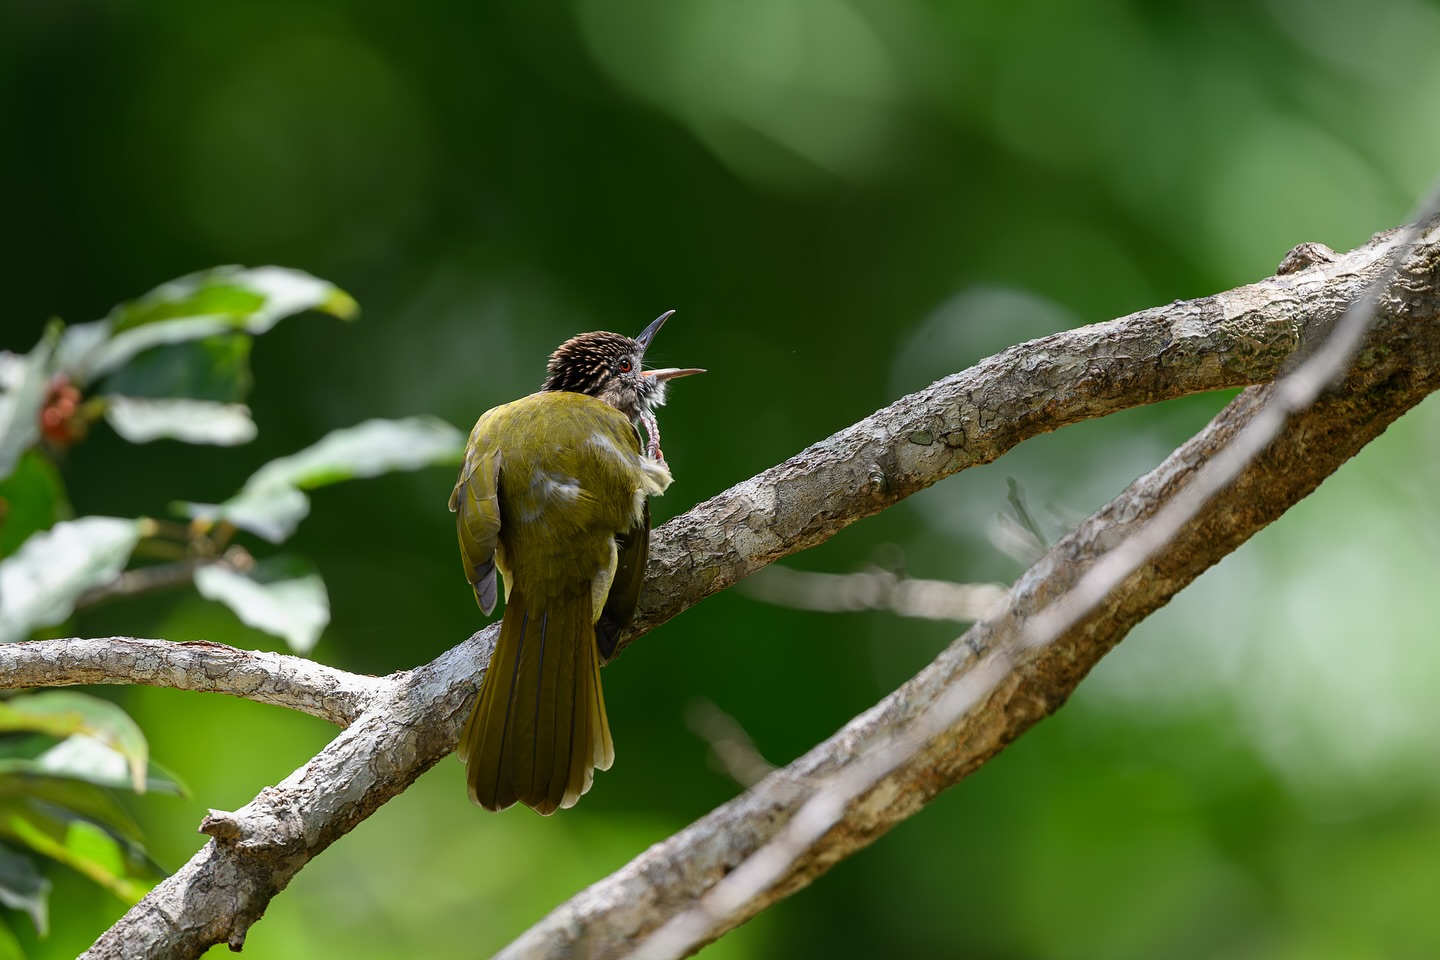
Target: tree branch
[1236, 338]
[412, 721]
[272, 678]
[886, 764]
[873, 589]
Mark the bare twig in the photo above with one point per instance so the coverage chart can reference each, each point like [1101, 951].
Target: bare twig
[874, 589]
[273, 678]
[730, 746]
[143, 580]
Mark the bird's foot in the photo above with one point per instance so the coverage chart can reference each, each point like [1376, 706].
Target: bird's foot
[652, 433]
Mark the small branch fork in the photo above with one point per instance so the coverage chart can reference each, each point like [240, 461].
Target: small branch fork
[886, 764]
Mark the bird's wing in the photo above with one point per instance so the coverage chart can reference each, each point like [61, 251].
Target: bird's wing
[476, 504]
[633, 550]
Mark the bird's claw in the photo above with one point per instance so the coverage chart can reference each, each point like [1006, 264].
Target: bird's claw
[652, 433]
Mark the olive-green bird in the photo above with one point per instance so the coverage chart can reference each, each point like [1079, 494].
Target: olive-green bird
[554, 494]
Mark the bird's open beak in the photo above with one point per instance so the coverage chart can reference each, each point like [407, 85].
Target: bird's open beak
[670, 373]
[648, 334]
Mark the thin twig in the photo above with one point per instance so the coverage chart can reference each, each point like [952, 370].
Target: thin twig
[873, 589]
[730, 746]
[273, 678]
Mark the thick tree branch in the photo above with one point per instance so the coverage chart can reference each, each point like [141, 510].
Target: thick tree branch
[1010, 686]
[1236, 338]
[411, 723]
[272, 678]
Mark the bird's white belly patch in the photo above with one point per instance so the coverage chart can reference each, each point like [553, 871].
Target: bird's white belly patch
[607, 447]
[555, 487]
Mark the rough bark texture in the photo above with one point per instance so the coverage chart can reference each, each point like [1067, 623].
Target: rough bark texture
[411, 719]
[608, 918]
[1238, 338]
[272, 678]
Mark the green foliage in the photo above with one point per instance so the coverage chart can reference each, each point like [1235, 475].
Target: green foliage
[174, 363]
[62, 754]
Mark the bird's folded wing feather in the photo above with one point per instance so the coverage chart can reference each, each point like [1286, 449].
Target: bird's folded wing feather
[476, 503]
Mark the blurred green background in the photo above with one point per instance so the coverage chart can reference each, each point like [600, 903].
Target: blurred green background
[844, 199]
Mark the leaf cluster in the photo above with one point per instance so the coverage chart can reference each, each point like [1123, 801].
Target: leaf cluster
[172, 364]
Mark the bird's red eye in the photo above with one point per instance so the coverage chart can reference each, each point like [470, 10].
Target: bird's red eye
[625, 365]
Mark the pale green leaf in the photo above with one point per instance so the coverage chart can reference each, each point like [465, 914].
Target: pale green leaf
[271, 512]
[87, 758]
[271, 505]
[198, 306]
[40, 583]
[366, 450]
[66, 797]
[282, 596]
[79, 844]
[142, 419]
[24, 382]
[113, 352]
[65, 713]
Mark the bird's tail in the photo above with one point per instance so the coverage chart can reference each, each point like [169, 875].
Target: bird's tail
[539, 727]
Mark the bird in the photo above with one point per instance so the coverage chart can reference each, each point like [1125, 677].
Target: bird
[553, 495]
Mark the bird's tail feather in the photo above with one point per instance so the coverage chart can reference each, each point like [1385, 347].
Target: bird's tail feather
[539, 726]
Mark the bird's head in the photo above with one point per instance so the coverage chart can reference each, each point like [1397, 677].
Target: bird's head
[608, 366]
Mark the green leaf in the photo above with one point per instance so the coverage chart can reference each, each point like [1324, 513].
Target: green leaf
[40, 583]
[64, 713]
[256, 298]
[24, 382]
[283, 595]
[141, 420]
[22, 887]
[76, 797]
[270, 505]
[79, 844]
[366, 450]
[215, 368]
[272, 512]
[195, 307]
[32, 498]
[86, 758]
[88, 352]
